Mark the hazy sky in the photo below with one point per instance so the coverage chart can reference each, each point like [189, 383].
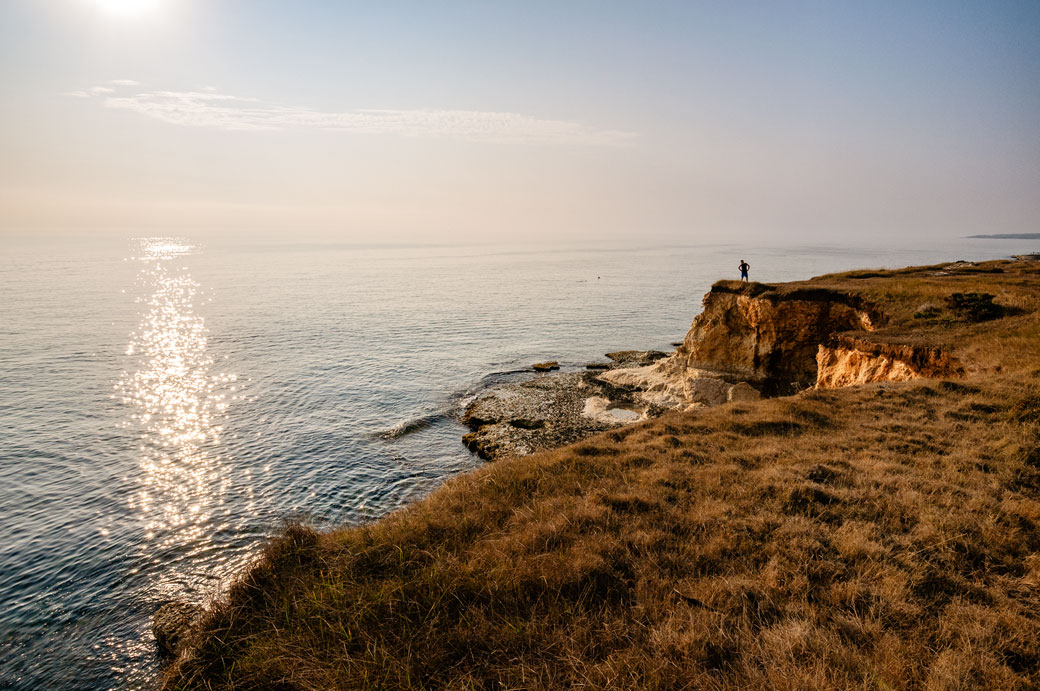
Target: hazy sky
[492, 120]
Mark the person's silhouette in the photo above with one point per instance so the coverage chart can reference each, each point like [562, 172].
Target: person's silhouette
[744, 266]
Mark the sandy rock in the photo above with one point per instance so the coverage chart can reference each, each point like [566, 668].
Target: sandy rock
[742, 391]
[662, 400]
[656, 384]
[636, 377]
[709, 391]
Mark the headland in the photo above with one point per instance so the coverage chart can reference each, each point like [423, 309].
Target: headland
[834, 483]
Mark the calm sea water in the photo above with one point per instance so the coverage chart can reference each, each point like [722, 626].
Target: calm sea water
[167, 403]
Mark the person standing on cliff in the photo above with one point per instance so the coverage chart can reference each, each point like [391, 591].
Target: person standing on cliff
[744, 266]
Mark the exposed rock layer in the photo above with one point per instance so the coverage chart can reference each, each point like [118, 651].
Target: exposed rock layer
[847, 361]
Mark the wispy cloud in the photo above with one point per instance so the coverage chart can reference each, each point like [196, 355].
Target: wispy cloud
[124, 82]
[211, 109]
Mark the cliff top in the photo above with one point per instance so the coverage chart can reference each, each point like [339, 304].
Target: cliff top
[878, 536]
[916, 305]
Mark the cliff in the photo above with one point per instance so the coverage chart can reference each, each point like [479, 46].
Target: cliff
[753, 339]
[884, 535]
[768, 336]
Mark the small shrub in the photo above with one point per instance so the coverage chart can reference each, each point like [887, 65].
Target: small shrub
[975, 307]
[929, 314]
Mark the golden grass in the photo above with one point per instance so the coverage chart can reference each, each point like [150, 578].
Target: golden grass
[877, 537]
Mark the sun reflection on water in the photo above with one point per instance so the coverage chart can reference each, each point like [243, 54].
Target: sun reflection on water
[178, 405]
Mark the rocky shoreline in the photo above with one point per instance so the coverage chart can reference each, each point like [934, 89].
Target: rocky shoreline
[751, 340]
[557, 408]
[552, 410]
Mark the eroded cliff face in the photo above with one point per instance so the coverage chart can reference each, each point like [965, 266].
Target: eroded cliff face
[847, 361]
[769, 338]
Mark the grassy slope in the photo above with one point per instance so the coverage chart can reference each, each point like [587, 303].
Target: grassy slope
[875, 537]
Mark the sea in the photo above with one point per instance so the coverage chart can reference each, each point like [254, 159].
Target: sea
[168, 403]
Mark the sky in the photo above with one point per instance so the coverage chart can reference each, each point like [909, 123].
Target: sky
[488, 121]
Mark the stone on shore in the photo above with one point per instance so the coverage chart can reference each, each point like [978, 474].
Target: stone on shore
[636, 358]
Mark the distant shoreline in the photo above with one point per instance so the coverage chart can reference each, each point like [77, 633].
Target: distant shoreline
[1005, 236]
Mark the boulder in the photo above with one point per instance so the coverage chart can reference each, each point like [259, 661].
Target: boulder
[742, 391]
[707, 391]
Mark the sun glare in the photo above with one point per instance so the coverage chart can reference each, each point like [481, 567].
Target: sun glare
[127, 7]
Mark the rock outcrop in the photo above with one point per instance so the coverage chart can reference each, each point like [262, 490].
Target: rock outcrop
[668, 384]
[768, 337]
[846, 361]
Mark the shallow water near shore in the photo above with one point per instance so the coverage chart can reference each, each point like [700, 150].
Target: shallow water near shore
[167, 403]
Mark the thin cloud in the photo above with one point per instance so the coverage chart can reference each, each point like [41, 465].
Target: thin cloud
[213, 110]
[124, 82]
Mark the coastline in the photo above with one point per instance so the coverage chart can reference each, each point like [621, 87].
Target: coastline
[728, 541]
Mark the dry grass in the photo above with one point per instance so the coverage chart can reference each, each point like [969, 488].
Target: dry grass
[878, 537]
